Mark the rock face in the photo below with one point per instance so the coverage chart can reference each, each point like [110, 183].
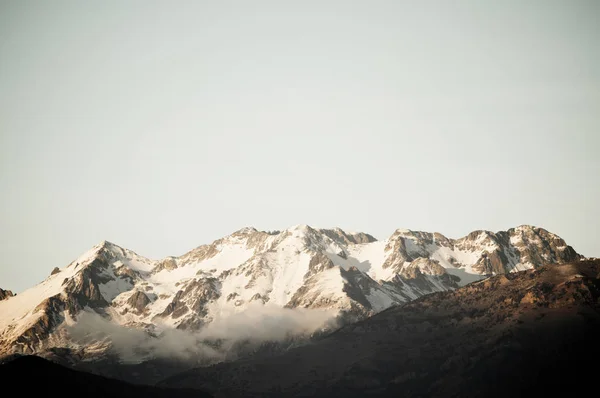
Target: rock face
[342, 237]
[4, 294]
[351, 275]
[138, 301]
[528, 333]
[481, 252]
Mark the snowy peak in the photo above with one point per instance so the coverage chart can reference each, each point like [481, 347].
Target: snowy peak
[107, 253]
[245, 231]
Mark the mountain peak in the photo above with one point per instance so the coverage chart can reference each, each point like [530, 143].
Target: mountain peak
[525, 227]
[300, 227]
[105, 244]
[245, 231]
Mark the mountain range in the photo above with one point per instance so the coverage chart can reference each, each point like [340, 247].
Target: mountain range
[324, 277]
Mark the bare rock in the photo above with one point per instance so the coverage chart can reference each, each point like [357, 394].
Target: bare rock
[4, 294]
[168, 263]
[138, 301]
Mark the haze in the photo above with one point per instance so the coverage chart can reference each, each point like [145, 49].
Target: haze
[161, 126]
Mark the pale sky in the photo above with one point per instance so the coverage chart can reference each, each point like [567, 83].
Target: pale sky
[161, 126]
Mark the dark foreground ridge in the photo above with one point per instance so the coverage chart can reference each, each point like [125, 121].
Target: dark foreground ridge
[35, 376]
[523, 334]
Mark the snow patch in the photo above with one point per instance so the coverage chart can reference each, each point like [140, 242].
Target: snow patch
[229, 257]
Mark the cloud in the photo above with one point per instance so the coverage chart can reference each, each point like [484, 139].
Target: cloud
[268, 322]
[133, 344]
[215, 342]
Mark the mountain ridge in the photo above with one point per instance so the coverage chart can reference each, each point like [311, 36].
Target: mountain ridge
[71, 383]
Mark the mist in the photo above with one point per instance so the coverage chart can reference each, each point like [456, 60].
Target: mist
[222, 339]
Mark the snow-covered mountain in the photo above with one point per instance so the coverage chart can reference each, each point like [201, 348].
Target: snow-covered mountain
[351, 274]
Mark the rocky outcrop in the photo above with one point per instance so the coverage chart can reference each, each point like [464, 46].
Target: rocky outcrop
[399, 254]
[176, 307]
[138, 301]
[342, 237]
[421, 265]
[84, 287]
[318, 263]
[196, 295]
[425, 276]
[199, 254]
[200, 292]
[4, 294]
[492, 263]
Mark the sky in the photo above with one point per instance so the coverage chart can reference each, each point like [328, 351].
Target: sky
[160, 126]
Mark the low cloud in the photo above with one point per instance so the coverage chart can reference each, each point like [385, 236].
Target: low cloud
[213, 343]
[267, 322]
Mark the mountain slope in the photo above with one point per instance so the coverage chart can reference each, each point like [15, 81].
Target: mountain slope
[65, 382]
[527, 333]
[349, 275]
